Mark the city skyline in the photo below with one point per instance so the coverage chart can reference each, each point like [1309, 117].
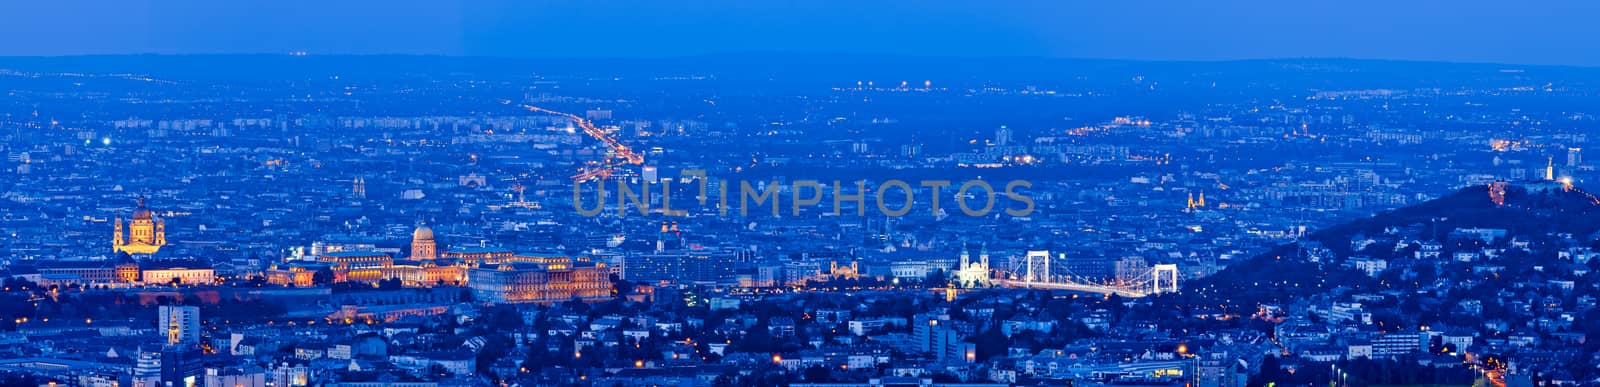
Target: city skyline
[806, 194]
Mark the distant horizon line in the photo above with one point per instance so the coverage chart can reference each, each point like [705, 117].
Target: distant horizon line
[799, 54]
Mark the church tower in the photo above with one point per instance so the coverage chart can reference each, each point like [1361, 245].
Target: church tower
[161, 232]
[116, 238]
[983, 257]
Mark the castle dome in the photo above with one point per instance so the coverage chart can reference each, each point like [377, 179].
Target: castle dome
[422, 232]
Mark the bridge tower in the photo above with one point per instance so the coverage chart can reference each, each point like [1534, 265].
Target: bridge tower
[1164, 278]
[1037, 267]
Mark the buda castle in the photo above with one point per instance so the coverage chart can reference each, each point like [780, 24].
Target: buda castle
[492, 274]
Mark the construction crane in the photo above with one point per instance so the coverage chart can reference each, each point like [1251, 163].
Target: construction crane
[620, 154]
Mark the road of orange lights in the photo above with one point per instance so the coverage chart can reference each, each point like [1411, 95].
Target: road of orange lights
[620, 153]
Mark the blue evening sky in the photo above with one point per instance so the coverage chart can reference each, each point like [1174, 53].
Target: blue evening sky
[1531, 32]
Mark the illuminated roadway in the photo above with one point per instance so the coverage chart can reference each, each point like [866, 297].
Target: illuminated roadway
[620, 154]
[1161, 278]
[1073, 286]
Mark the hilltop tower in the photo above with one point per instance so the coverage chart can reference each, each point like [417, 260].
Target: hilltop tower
[1550, 169]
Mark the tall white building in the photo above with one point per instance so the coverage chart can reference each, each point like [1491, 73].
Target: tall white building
[181, 324]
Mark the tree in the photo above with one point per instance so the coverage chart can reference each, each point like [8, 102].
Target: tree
[817, 374]
[621, 287]
[935, 279]
[439, 371]
[991, 343]
[322, 276]
[19, 283]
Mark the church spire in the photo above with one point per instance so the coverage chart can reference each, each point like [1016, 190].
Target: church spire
[116, 240]
[965, 258]
[983, 255]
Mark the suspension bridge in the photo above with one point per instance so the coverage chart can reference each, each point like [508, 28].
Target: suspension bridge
[1039, 270]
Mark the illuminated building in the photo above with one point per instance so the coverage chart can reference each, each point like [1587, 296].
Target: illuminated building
[474, 256]
[177, 272]
[844, 272]
[80, 272]
[495, 274]
[147, 369]
[422, 244]
[425, 273]
[684, 266]
[1196, 203]
[359, 188]
[937, 338]
[127, 270]
[1219, 369]
[146, 233]
[558, 280]
[346, 260]
[181, 366]
[548, 261]
[287, 375]
[235, 376]
[371, 267]
[973, 274]
[358, 266]
[797, 273]
[298, 275]
[180, 324]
